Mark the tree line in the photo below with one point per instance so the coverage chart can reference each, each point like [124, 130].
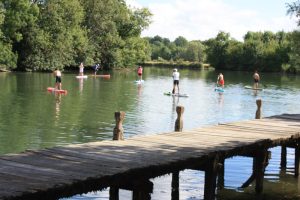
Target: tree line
[47, 34]
[263, 51]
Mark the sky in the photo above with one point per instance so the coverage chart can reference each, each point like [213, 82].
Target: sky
[204, 19]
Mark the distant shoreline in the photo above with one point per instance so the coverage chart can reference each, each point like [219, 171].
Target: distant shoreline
[184, 64]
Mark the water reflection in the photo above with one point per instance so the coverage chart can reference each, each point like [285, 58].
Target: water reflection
[92, 116]
[80, 80]
[220, 99]
[57, 105]
[139, 87]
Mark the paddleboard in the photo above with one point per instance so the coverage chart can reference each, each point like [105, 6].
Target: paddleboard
[51, 89]
[139, 81]
[101, 75]
[176, 94]
[84, 76]
[219, 89]
[251, 88]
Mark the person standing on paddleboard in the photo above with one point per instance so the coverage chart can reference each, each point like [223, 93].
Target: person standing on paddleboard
[57, 74]
[175, 76]
[220, 80]
[256, 79]
[96, 67]
[81, 67]
[140, 72]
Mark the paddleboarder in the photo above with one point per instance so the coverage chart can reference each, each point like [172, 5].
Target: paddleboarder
[220, 80]
[256, 79]
[175, 76]
[96, 67]
[140, 72]
[81, 67]
[57, 74]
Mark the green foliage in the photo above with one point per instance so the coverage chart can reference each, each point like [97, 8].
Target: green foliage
[111, 27]
[294, 9]
[58, 40]
[294, 56]
[43, 35]
[263, 51]
[179, 50]
[217, 50]
[8, 59]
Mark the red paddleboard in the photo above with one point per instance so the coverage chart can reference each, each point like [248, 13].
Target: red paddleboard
[51, 89]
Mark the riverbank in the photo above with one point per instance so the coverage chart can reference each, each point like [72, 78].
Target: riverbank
[180, 65]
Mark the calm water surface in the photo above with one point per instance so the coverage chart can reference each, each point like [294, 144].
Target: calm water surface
[32, 118]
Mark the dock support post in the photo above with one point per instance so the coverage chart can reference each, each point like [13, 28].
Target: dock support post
[140, 195]
[210, 178]
[175, 186]
[283, 157]
[221, 173]
[142, 190]
[297, 154]
[118, 130]
[261, 160]
[113, 193]
[258, 114]
[175, 175]
[179, 121]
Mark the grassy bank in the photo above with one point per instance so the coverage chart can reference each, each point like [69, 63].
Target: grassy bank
[182, 64]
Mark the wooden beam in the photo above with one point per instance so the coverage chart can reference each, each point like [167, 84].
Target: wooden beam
[297, 155]
[175, 186]
[260, 163]
[113, 193]
[210, 178]
[283, 157]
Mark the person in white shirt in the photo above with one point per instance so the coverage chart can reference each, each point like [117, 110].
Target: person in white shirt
[81, 67]
[175, 80]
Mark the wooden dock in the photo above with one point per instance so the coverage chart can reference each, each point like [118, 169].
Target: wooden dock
[62, 171]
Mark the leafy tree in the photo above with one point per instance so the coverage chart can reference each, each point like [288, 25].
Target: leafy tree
[195, 52]
[294, 56]
[181, 41]
[294, 9]
[57, 40]
[20, 16]
[110, 25]
[8, 59]
[216, 50]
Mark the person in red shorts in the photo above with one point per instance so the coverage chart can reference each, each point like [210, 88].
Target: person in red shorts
[140, 72]
[221, 81]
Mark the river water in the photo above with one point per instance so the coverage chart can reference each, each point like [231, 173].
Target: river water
[32, 118]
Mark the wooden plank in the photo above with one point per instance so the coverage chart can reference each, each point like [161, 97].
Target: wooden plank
[295, 117]
[41, 170]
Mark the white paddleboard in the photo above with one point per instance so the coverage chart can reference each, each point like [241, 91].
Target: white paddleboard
[84, 76]
[176, 94]
[251, 88]
[139, 81]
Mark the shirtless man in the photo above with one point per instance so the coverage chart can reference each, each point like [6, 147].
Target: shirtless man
[57, 74]
[256, 79]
